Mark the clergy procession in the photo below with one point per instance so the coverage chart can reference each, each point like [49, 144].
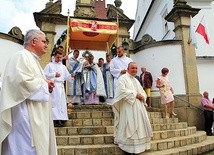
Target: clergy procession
[71, 86]
[29, 115]
[113, 83]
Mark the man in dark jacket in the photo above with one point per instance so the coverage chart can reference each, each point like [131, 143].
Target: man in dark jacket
[146, 82]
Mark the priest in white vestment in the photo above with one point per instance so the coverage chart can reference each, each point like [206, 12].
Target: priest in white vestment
[75, 87]
[57, 72]
[26, 126]
[93, 82]
[119, 64]
[132, 129]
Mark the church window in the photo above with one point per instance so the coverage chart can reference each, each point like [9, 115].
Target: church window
[164, 21]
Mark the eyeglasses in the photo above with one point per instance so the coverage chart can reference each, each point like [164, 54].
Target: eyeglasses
[44, 41]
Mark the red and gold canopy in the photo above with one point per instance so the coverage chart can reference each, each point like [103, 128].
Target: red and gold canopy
[91, 34]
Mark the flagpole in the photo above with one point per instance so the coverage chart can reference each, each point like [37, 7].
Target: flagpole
[202, 18]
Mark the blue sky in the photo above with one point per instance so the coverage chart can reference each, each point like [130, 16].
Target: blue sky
[20, 12]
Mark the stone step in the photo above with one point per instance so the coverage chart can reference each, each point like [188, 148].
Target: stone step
[108, 138]
[191, 149]
[163, 120]
[155, 117]
[90, 122]
[169, 126]
[104, 114]
[157, 135]
[87, 114]
[155, 114]
[109, 149]
[87, 130]
[110, 121]
[89, 111]
[85, 139]
[197, 140]
[175, 142]
[99, 107]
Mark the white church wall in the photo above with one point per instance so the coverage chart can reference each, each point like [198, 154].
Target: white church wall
[155, 23]
[7, 49]
[155, 58]
[140, 14]
[206, 76]
[201, 4]
[205, 49]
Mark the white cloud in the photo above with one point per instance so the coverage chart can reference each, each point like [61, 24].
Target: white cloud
[6, 15]
[19, 13]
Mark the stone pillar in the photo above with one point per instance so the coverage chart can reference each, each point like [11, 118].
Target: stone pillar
[180, 15]
[49, 30]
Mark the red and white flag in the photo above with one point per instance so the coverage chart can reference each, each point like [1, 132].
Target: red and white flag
[202, 30]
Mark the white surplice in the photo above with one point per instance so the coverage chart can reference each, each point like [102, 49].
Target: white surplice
[25, 111]
[117, 64]
[58, 98]
[132, 129]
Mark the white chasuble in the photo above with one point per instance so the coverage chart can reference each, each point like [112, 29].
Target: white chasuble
[132, 129]
[35, 130]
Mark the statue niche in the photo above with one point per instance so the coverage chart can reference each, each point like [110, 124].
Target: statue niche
[84, 8]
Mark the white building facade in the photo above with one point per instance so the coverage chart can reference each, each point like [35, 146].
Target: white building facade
[150, 19]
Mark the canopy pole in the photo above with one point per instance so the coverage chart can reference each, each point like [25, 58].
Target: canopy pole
[67, 47]
[68, 35]
[107, 48]
[117, 29]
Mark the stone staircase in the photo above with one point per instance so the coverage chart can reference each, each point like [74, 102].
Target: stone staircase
[89, 131]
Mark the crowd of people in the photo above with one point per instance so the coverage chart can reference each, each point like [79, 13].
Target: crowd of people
[33, 100]
[41, 100]
[28, 115]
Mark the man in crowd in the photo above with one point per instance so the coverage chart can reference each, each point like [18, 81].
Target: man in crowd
[146, 82]
[108, 80]
[75, 69]
[25, 111]
[132, 128]
[59, 49]
[57, 72]
[100, 63]
[208, 107]
[119, 64]
[93, 82]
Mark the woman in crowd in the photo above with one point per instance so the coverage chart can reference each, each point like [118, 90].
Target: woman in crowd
[166, 92]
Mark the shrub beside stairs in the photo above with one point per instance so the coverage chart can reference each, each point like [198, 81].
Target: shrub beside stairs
[90, 129]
